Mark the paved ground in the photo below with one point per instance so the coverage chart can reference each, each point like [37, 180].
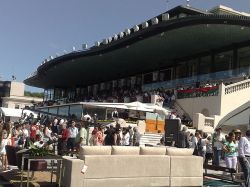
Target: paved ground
[4, 183]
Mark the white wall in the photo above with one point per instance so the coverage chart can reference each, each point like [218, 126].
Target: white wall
[218, 106]
[197, 104]
[233, 100]
[17, 89]
[11, 102]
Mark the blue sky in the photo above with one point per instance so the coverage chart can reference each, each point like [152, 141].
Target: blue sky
[33, 30]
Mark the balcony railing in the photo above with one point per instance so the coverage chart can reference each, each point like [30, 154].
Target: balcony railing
[237, 86]
[209, 122]
[222, 75]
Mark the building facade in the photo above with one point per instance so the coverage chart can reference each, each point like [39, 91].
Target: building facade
[12, 95]
[181, 47]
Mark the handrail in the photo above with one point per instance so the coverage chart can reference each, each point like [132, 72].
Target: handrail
[237, 86]
[182, 110]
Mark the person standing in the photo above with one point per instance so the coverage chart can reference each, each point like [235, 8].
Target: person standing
[244, 156]
[183, 138]
[231, 151]
[136, 137]
[209, 150]
[218, 141]
[131, 133]
[125, 137]
[83, 134]
[109, 138]
[73, 131]
[115, 115]
[63, 139]
[117, 137]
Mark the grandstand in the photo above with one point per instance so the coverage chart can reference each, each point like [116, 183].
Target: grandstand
[202, 57]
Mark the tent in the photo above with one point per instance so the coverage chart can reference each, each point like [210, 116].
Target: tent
[14, 113]
[138, 106]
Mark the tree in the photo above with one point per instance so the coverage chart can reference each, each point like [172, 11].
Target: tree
[33, 94]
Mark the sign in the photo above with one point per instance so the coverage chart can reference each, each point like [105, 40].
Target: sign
[155, 122]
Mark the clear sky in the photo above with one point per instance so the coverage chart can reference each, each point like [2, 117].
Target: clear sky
[32, 30]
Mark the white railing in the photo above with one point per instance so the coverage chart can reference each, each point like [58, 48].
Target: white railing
[237, 86]
[209, 122]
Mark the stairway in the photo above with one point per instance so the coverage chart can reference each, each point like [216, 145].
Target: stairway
[150, 139]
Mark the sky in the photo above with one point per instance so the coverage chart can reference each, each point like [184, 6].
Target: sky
[32, 30]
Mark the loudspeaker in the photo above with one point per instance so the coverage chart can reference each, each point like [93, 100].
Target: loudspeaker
[172, 128]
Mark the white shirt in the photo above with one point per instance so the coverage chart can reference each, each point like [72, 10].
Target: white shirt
[73, 131]
[26, 133]
[114, 113]
[244, 147]
[218, 143]
[203, 144]
[125, 139]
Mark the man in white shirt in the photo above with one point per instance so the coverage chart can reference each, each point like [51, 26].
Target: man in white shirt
[73, 131]
[218, 143]
[244, 156]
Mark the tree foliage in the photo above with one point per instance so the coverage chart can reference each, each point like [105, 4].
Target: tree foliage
[33, 94]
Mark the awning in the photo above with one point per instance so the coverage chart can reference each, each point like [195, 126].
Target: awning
[138, 106]
[12, 112]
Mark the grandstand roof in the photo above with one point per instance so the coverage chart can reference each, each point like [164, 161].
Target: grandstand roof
[148, 49]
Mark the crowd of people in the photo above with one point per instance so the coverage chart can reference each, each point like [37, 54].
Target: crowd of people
[64, 136]
[233, 148]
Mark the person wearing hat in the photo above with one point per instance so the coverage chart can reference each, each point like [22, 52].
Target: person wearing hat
[244, 156]
[237, 133]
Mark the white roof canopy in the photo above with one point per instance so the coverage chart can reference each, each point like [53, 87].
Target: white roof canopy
[138, 106]
[11, 112]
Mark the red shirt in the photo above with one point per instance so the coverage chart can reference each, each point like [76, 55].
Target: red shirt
[65, 134]
[33, 130]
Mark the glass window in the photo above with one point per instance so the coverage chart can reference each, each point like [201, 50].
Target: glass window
[244, 56]
[76, 110]
[193, 67]
[53, 110]
[44, 109]
[223, 61]
[165, 75]
[181, 71]
[148, 78]
[205, 64]
[63, 110]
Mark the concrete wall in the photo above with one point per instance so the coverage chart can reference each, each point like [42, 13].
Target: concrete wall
[17, 89]
[235, 99]
[229, 98]
[199, 104]
[221, 104]
[11, 102]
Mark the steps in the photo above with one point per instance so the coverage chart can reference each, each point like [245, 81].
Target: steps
[150, 139]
